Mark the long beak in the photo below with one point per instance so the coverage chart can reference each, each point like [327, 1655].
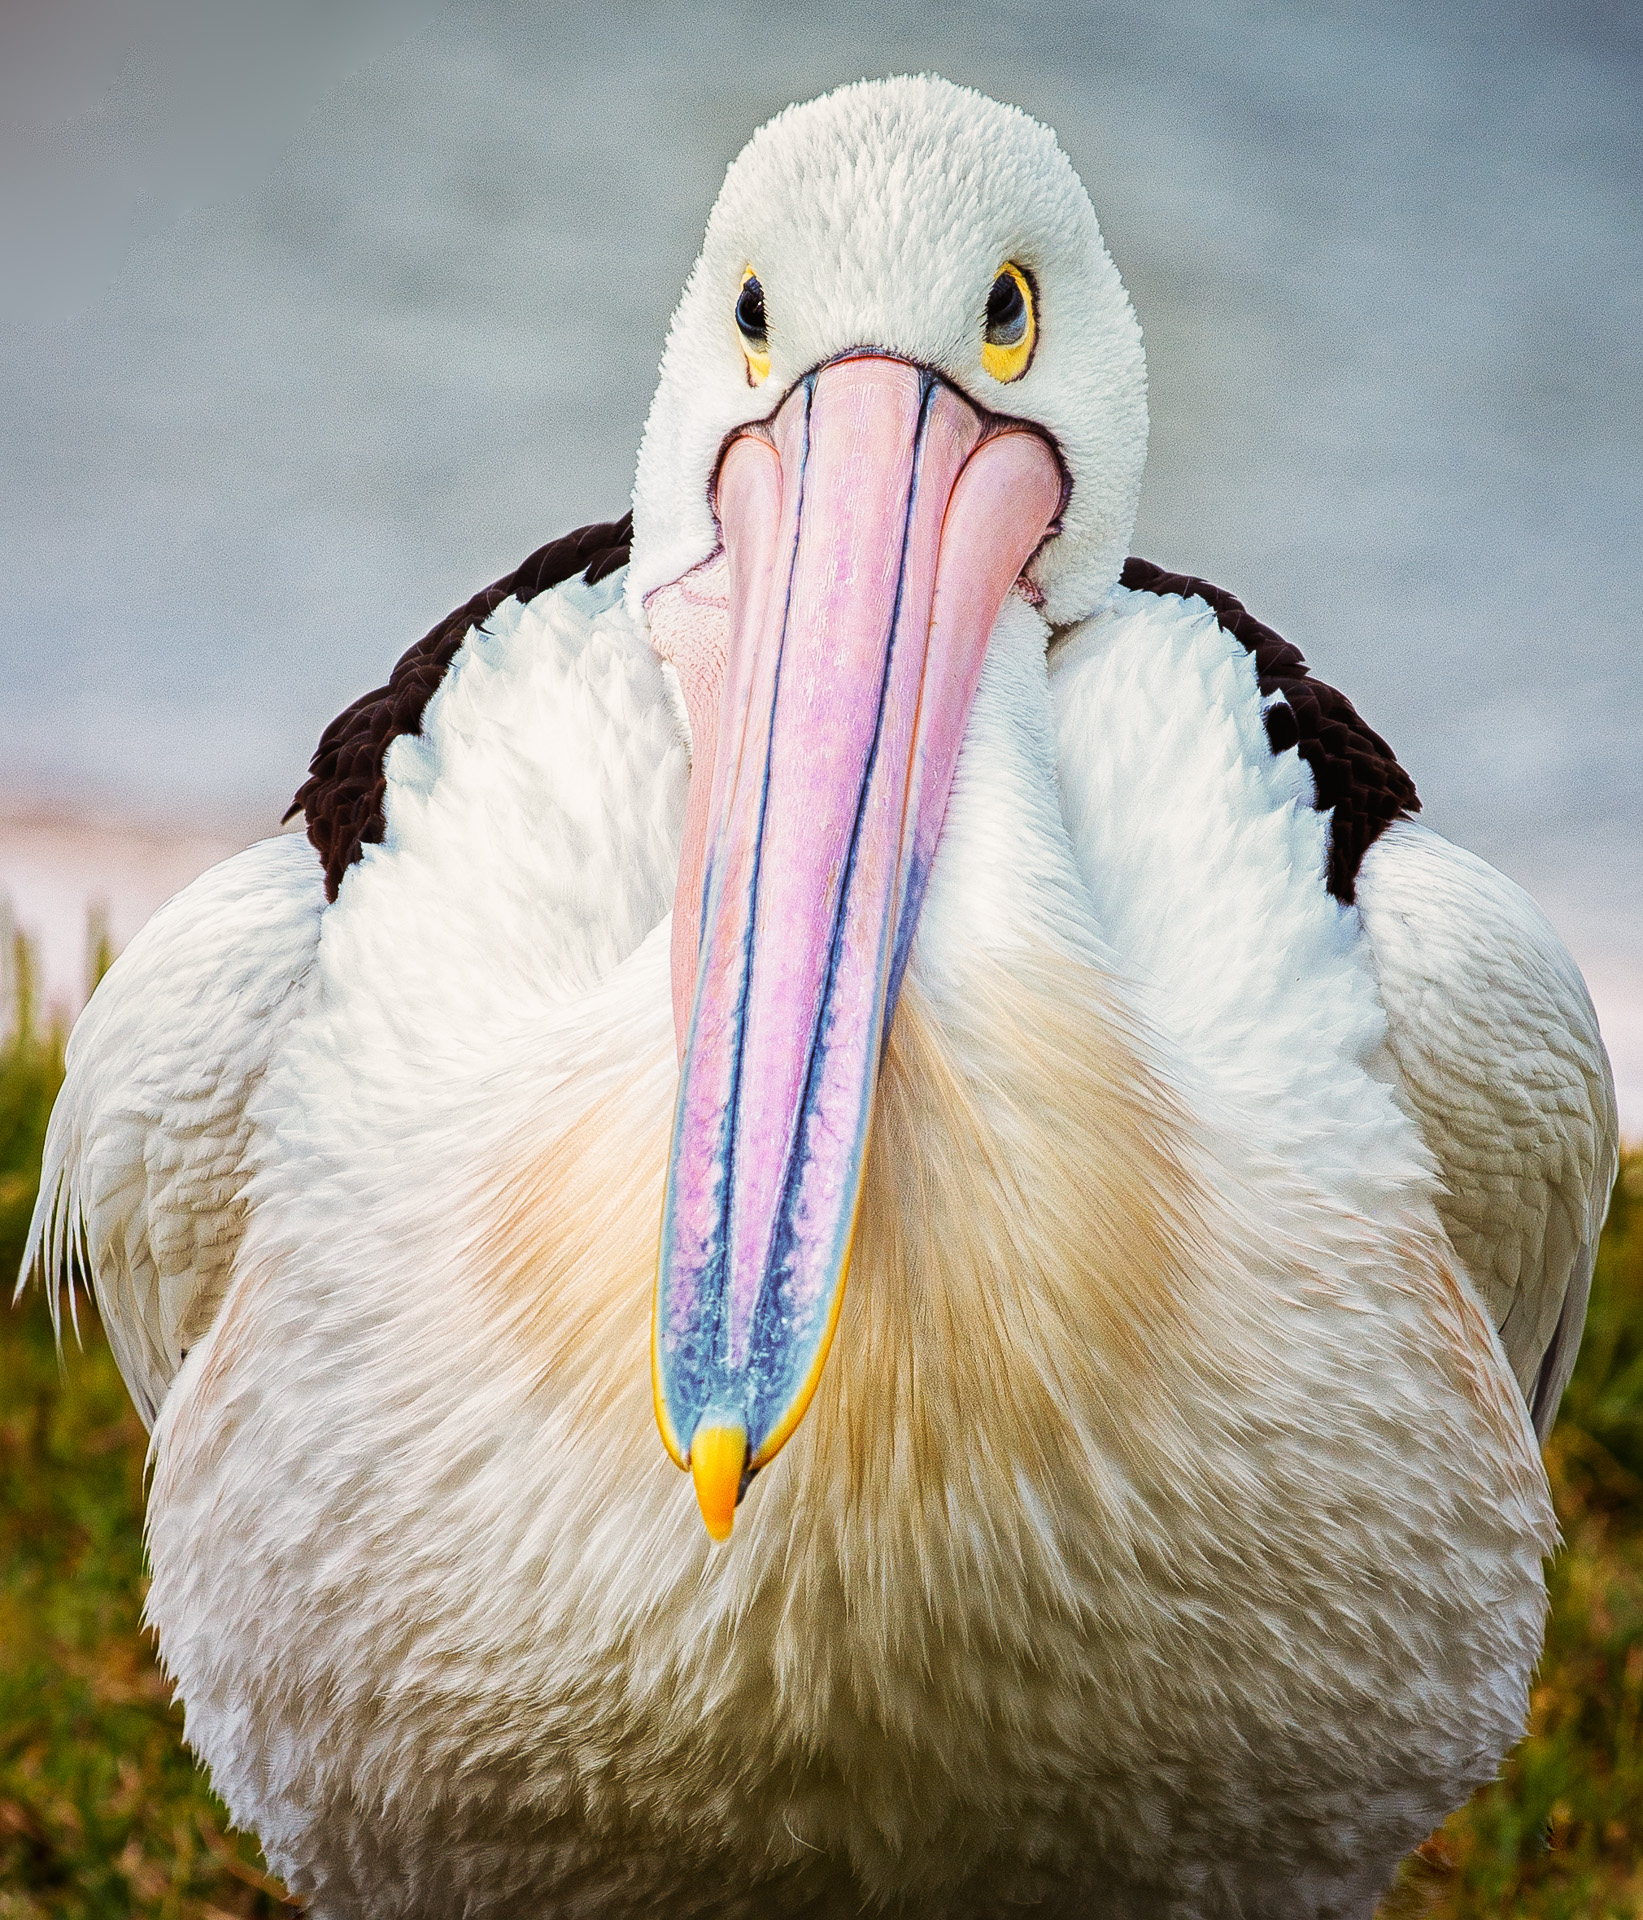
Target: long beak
[872, 528]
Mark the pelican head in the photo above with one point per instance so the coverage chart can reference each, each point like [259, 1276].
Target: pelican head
[903, 382]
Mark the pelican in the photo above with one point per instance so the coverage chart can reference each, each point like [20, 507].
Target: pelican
[855, 866]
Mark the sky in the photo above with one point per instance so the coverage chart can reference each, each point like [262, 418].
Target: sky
[324, 315]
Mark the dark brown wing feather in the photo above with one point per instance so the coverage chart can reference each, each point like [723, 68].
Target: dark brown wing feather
[342, 796]
[1356, 774]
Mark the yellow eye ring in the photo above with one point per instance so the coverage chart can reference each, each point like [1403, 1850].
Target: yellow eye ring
[1012, 324]
[752, 326]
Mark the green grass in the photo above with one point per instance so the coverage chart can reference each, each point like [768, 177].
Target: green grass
[102, 1814]
[1560, 1837]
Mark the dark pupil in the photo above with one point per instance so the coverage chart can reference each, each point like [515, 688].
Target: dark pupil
[1006, 312]
[750, 310]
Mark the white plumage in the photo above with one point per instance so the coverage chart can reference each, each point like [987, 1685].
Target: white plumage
[151, 1144]
[1499, 1056]
[1165, 1536]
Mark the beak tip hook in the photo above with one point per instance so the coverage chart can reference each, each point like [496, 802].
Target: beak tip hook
[718, 1467]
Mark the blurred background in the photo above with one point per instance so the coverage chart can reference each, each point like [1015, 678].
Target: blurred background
[315, 318]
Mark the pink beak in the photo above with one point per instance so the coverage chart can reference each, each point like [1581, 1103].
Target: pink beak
[872, 529]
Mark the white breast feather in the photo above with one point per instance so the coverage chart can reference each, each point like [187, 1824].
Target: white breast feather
[531, 837]
[1207, 861]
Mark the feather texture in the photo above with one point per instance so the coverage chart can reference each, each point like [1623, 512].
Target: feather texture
[151, 1143]
[1500, 1057]
[1165, 1538]
[1075, 1579]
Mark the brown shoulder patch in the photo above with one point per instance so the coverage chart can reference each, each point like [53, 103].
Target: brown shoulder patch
[1358, 780]
[343, 794]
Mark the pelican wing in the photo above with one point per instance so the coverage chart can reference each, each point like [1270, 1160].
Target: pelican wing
[1499, 1055]
[150, 1144]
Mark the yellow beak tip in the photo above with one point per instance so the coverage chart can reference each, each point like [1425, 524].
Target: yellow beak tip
[717, 1457]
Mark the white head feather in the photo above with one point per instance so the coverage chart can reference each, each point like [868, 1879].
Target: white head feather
[878, 216]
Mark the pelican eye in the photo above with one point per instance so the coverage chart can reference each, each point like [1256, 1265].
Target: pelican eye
[750, 322]
[1012, 325]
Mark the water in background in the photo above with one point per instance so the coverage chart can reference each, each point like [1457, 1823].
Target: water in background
[367, 303]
